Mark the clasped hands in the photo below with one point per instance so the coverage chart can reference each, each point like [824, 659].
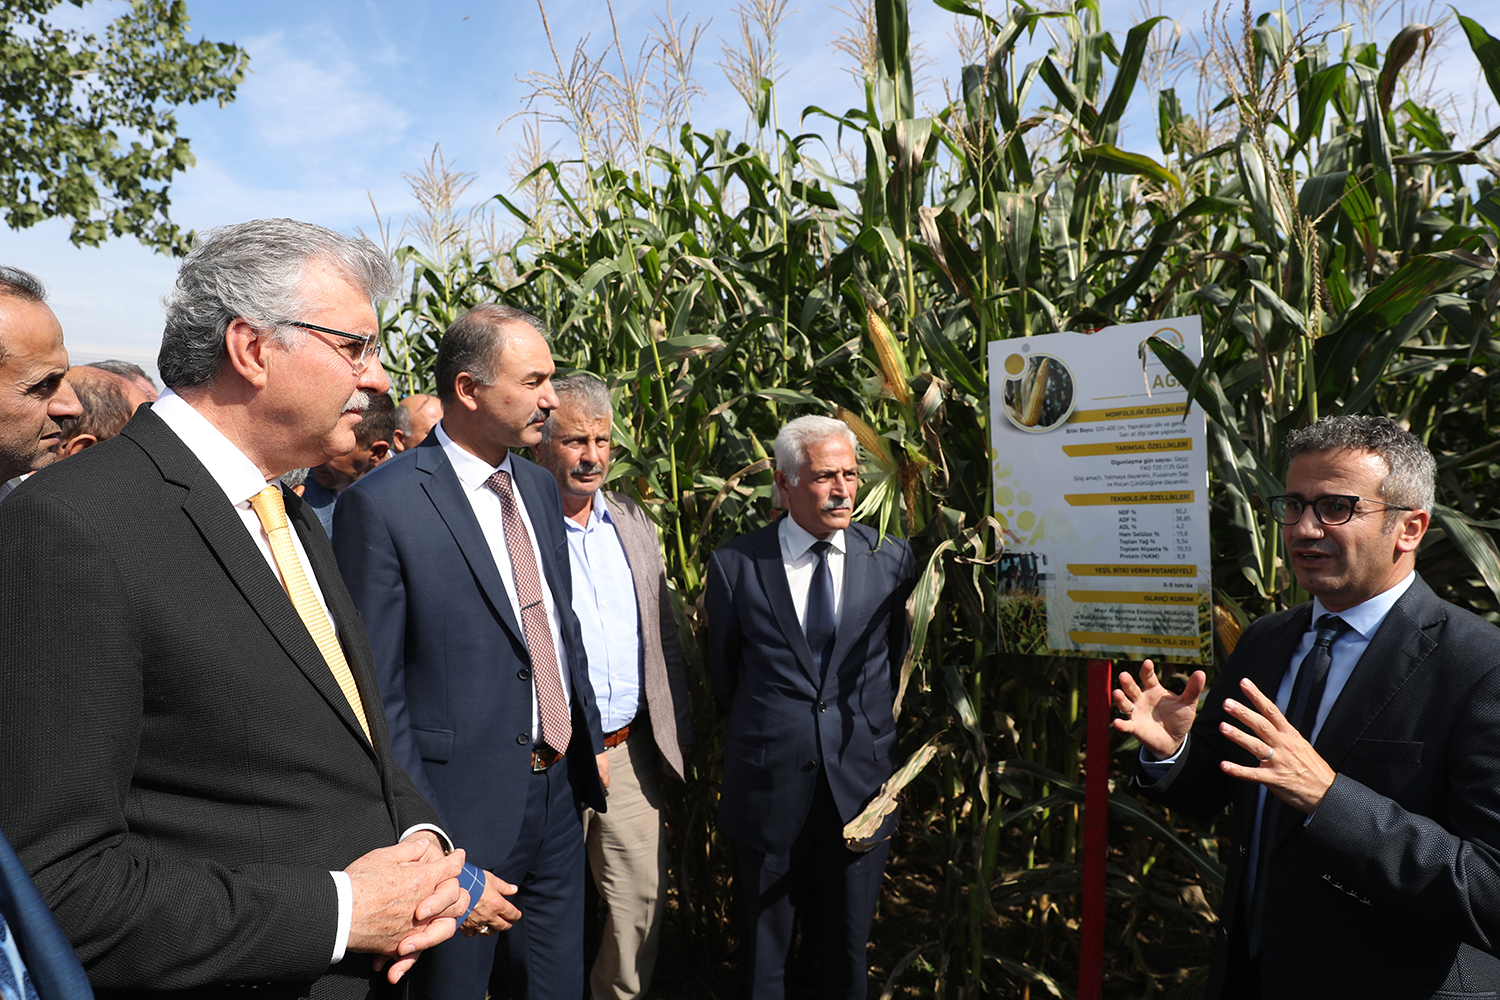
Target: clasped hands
[406, 899]
[1289, 767]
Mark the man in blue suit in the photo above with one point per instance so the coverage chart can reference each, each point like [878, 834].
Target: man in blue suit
[806, 634]
[456, 557]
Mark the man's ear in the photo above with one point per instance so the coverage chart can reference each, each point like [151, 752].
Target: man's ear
[1410, 529]
[379, 452]
[398, 440]
[246, 348]
[464, 391]
[76, 444]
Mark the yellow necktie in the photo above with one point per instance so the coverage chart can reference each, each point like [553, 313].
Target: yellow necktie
[271, 510]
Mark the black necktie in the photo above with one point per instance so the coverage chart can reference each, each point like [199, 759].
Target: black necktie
[818, 620]
[1302, 711]
[1312, 676]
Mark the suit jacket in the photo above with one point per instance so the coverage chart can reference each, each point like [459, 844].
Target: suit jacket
[666, 680]
[1393, 888]
[784, 721]
[454, 669]
[50, 960]
[178, 768]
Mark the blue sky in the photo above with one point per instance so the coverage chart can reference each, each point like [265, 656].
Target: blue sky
[347, 95]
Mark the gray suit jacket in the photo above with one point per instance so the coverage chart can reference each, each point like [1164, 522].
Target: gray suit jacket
[666, 680]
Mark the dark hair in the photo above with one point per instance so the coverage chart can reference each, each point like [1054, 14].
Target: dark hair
[472, 344]
[254, 271]
[20, 284]
[379, 423]
[104, 402]
[1411, 470]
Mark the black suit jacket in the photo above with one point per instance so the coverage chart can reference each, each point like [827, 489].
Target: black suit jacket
[784, 721]
[1393, 889]
[178, 768]
[454, 669]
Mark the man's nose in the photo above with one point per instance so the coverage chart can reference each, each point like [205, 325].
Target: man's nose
[64, 402]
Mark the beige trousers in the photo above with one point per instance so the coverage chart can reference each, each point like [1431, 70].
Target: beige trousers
[627, 852]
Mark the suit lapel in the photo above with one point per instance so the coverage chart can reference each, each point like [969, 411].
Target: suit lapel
[779, 593]
[447, 495]
[1399, 647]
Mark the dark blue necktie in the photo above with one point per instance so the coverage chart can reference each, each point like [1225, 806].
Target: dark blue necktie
[1312, 676]
[1302, 712]
[818, 620]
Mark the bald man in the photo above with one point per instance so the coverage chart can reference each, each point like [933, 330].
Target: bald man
[415, 418]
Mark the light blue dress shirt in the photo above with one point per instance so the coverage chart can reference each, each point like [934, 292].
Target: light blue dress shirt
[1363, 620]
[604, 600]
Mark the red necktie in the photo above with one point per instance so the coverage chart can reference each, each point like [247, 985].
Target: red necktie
[557, 723]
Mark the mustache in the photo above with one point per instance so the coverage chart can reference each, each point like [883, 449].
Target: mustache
[587, 469]
[836, 503]
[360, 401]
[537, 416]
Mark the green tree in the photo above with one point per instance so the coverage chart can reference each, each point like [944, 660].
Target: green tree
[88, 130]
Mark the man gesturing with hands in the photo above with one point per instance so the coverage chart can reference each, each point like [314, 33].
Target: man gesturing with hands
[1357, 738]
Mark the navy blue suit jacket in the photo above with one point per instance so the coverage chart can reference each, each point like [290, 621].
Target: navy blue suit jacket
[1393, 889]
[784, 720]
[50, 959]
[455, 675]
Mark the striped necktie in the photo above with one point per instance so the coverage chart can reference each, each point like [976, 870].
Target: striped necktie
[271, 510]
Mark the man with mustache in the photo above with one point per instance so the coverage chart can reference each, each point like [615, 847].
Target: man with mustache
[34, 394]
[195, 768]
[630, 631]
[806, 633]
[456, 556]
[1355, 737]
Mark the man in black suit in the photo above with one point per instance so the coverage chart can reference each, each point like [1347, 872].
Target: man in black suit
[34, 393]
[196, 771]
[806, 633]
[1371, 716]
[456, 556]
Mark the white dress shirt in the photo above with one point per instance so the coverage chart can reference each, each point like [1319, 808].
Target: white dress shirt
[799, 561]
[240, 480]
[473, 472]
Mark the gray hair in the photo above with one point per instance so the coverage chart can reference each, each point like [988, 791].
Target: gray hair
[18, 284]
[125, 369]
[473, 344]
[1411, 469]
[255, 271]
[792, 443]
[583, 390]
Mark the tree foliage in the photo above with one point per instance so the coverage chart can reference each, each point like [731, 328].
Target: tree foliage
[88, 130]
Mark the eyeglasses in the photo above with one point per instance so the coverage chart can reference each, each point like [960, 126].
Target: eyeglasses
[369, 352]
[1331, 510]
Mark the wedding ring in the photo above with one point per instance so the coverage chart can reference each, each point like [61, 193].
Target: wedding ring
[484, 929]
[1270, 752]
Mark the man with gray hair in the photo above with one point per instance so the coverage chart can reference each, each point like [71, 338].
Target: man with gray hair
[197, 771]
[806, 633]
[34, 394]
[1355, 737]
[624, 610]
[456, 557]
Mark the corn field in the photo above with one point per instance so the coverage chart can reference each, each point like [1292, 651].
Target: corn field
[1314, 210]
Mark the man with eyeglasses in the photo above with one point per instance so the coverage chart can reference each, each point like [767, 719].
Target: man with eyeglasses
[1357, 738]
[196, 768]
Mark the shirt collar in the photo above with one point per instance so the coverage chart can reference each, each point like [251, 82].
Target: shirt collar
[236, 475]
[1366, 618]
[471, 470]
[796, 540]
[598, 514]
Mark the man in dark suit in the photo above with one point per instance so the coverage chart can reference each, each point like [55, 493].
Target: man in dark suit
[34, 392]
[806, 633]
[628, 627]
[1372, 718]
[455, 554]
[196, 771]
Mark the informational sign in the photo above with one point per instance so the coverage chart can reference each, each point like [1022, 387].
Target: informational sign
[1101, 487]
